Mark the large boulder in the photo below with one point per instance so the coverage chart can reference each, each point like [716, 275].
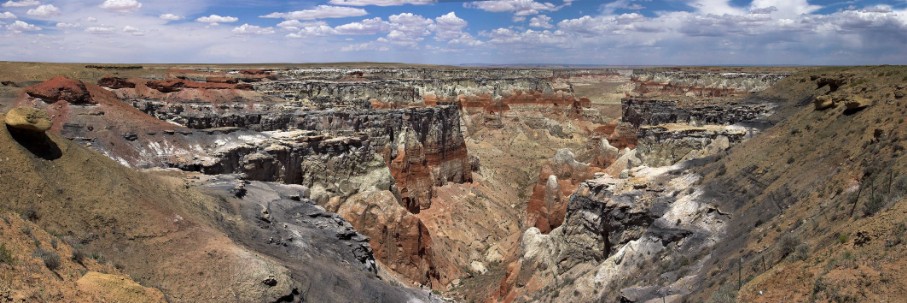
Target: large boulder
[824, 102]
[857, 103]
[61, 89]
[28, 119]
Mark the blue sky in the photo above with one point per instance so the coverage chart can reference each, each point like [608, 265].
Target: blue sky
[607, 32]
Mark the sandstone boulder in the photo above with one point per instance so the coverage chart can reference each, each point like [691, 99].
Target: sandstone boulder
[29, 119]
[824, 102]
[61, 89]
[857, 103]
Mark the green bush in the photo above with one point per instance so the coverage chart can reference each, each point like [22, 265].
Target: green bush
[51, 259]
[874, 205]
[5, 256]
[788, 244]
[77, 255]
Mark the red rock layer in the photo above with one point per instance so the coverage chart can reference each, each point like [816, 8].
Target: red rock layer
[60, 89]
[417, 170]
[399, 239]
[620, 135]
[547, 207]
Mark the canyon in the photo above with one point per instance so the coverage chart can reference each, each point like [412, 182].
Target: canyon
[395, 183]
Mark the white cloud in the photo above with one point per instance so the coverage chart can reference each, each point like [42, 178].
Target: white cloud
[23, 3]
[248, 29]
[380, 2]
[520, 8]
[133, 31]
[311, 29]
[217, 19]
[320, 12]
[123, 6]
[170, 17]
[716, 7]
[368, 46]
[21, 26]
[44, 11]
[100, 30]
[7, 15]
[540, 21]
[784, 8]
[449, 26]
[64, 25]
[365, 27]
[408, 29]
[611, 7]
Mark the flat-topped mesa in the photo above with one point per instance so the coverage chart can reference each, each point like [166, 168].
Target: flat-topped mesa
[701, 84]
[470, 93]
[641, 111]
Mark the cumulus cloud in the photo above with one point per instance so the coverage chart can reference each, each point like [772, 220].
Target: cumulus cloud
[784, 8]
[520, 8]
[23, 3]
[100, 30]
[7, 15]
[64, 25]
[449, 26]
[123, 6]
[365, 27]
[368, 46]
[171, 17]
[408, 29]
[21, 26]
[309, 29]
[133, 31]
[610, 7]
[217, 19]
[716, 7]
[380, 2]
[248, 29]
[320, 12]
[44, 11]
[540, 21]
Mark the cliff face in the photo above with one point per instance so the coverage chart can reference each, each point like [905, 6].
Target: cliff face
[641, 112]
[702, 84]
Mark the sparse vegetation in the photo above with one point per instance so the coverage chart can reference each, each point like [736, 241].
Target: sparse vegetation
[842, 238]
[727, 293]
[788, 244]
[874, 205]
[78, 256]
[51, 259]
[30, 214]
[6, 257]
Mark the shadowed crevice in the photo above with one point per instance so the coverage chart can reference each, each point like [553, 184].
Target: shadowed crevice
[38, 143]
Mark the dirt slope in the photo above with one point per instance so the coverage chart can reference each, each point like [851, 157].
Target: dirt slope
[38, 267]
[818, 199]
[162, 232]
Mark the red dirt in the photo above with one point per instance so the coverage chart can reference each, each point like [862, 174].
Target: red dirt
[60, 89]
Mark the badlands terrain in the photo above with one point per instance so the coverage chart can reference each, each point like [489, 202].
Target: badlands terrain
[405, 183]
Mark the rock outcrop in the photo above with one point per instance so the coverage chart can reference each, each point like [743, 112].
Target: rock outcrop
[641, 112]
[61, 89]
[702, 84]
[28, 119]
